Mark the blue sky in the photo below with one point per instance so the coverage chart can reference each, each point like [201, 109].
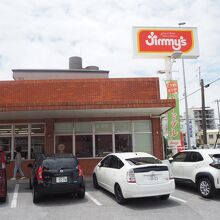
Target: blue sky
[44, 34]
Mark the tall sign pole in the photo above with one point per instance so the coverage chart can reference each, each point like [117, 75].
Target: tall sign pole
[157, 42]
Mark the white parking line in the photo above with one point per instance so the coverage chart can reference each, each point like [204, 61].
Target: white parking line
[15, 197]
[93, 199]
[178, 199]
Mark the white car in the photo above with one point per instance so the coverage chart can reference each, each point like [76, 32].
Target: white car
[199, 167]
[132, 175]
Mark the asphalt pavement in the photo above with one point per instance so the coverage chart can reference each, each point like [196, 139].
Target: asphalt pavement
[184, 203]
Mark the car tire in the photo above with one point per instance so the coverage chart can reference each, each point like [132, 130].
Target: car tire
[119, 195]
[81, 193]
[36, 196]
[95, 182]
[164, 197]
[30, 184]
[206, 188]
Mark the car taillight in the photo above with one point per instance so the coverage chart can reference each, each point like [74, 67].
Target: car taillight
[39, 173]
[215, 165]
[131, 176]
[80, 171]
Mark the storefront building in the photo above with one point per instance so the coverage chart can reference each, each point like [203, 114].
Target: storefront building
[91, 114]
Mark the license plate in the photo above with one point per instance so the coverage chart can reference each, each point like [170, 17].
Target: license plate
[153, 178]
[62, 179]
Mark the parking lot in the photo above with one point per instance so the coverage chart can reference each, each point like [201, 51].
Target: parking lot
[185, 203]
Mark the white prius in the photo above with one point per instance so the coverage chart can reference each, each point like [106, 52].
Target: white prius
[133, 175]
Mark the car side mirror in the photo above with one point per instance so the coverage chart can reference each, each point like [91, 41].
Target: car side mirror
[170, 159]
[99, 164]
[30, 165]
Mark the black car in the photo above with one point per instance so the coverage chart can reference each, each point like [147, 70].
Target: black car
[53, 174]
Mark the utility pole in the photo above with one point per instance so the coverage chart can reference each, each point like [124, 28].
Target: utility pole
[217, 101]
[203, 112]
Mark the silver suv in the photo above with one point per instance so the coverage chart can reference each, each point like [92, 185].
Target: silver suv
[199, 167]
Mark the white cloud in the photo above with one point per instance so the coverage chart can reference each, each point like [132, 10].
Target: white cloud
[44, 34]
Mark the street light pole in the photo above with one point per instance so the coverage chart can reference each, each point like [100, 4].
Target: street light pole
[185, 98]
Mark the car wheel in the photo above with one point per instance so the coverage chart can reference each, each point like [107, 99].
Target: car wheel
[95, 182]
[81, 194]
[36, 195]
[30, 184]
[164, 197]
[205, 188]
[119, 195]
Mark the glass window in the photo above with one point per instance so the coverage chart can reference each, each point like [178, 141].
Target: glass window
[211, 136]
[83, 127]
[59, 163]
[22, 142]
[143, 160]
[144, 126]
[122, 127]
[63, 128]
[105, 162]
[21, 129]
[115, 163]
[103, 127]
[37, 129]
[123, 143]
[64, 144]
[83, 145]
[37, 145]
[103, 145]
[180, 157]
[143, 142]
[5, 129]
[195, 157]
[5, 142]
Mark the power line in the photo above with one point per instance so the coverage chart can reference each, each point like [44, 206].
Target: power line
[206, 86]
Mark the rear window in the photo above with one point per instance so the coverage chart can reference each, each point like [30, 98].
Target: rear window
[215, 157]
[143, 160]
[59, 163]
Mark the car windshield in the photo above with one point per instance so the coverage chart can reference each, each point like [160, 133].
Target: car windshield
[216, 157]
[143, 160]
[59, 163]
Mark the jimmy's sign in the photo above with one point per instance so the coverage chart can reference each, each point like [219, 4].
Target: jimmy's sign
[162, 42]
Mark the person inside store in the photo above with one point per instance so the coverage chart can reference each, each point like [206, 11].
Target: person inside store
[61, 149]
